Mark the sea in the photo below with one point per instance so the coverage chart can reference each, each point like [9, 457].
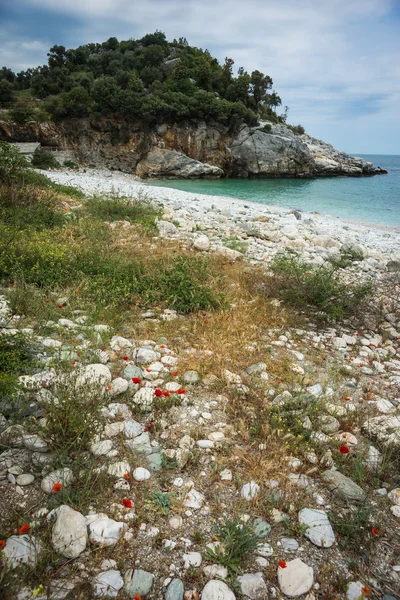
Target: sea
[368, 199]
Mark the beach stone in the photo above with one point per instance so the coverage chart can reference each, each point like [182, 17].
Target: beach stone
[103, 530]
[175, 522]
[393, 266]
[21, 549]
[175, 590]
[250, 490]
[138, 582]
[343, 486]
[201, 242]
[296, 579]
[289, 544]
[131, 371]
[191, 377]
[166, 228]
[217, 590]
[118, 469]
[107, 584]
[319, 530]
[144, 398]
[154, 461]
[261, 528]
[25, 479]
[141, 474]
[252, 585]
[63, 476]
[69, 535]
[264, 550]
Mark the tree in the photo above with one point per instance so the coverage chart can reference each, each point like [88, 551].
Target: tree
[226, 76]
[6, 91]
[76, 102]
[7, 74]
[57, 56]
[105, 91]
[204, 73]
[21, 113]
[260, 85]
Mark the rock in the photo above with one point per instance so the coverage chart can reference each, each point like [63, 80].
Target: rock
[354, 590]
[175, 590]
[252, 585]
[226, 475]
[119, 386]
[192, 559]
[261, 528]
[118, 342]
[201, 242]
[393, 266]
[63, 476]
[144, 356]
[107, 584]
[395, 510]
[250, 490]
[264, 550]
[103, 530]
[25, 479]
[319, 530]
[191, 377]
[216, 571]
[176, 522]
[289, 544]
[296, 578]
[21, 549]
[385, 429]
[394, 496]
[141, 444]
[101, 448]
[165, 228]
[343, 486]
[97, 374]
[69, 535]
[138, 582]
[217, 590]
[119, 469]
[161, 162]
[35, 443]
[256, 368]
[141, 474]
[13, 437]
[144, 399]
[193, 499]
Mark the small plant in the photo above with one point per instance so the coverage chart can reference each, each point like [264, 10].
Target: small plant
[235, 244]
[118, 208]
[17, 357]
[70, 164]
[161, 502]
[43, 159]
[351, 527]
[12, 163]
[237, 541]
[267, 128]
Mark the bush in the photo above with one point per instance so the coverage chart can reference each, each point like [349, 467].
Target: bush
[12, 163]
[16, 358]
[237, 540]
[267, 128]
[43, 160]
[297, 129]
[319, 288]
[124, 209]
[70, 164]
[21, 113]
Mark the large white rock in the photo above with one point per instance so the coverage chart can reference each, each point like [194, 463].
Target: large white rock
[63, 476]
[21, 549]
[319, 530]
[144, 398]
[217, 590]
[144, 356]
[97, 374]
[253, 586]
[194, 499]
[69, 536]
[108, 584]
[201, 242]
[119, 386]
[192, 559]
[103, 530]
[296, 578]
[119, 469]
[141, 474]
[394, 496]
[118, 343]
[101, 448]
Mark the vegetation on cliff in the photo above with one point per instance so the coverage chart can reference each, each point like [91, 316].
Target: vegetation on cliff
[149, 79]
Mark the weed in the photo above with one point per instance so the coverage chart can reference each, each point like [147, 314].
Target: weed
[161, 502]
[17, 357]
[235, 244]
[42, 159]
[118, 208]
[351, 527]
[237, 541]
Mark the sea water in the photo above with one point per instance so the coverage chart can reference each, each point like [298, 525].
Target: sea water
[374, 199]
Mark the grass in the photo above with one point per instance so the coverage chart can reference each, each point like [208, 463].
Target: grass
[237, 542]
[17, 357]
[235, 244]
[137, 210]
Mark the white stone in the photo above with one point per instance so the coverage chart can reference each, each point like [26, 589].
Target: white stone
[216, 571]
[119, 343]
[217, 590]
[119, 469]
[144, 356]
[252, 585]
[21, 549]
[264, 550]
[69, 536]
[176, 522]
[394, 496]
[113, 429]
[194, 499]
[250, 490]
[103, 530]
[144, 398]
[63, 476]
[94, 374]
[201, 242]
[132, 429]
[141, 474]
[395, 510]
[101, 448]
[319, 530]
[296, 578]
[204, 444]
[354, 590]
[232, 378]
[108, 584]
[192, 559]
[226, 475]
[119, 386]
[216, 436]
[25, 479]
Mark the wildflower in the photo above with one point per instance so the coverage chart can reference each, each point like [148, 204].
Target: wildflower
[57, 487]
[162, 346]
[78, 292]
[125, 357]
[73, 362]
[343, 449]
[174, 374]
[38, 590]
[180, 391]
[158, 393]
[2, 544]
[107, 281]
[11, 285]
[365, 590]
[282, 564]
[59, 305]
[375, 531]
[127, 476]
[347, 398]
[136, 380]
[109, 388]
[203, 314]
[166, 394]
[127, 503]
[137, 597]
[23, 529]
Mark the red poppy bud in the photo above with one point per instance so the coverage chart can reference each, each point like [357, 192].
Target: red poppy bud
[158, 393]
[343, 449]
[282, 564]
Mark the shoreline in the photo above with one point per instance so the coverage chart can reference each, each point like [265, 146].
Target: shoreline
[380, 240]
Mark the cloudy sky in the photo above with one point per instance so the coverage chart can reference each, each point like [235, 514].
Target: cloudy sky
[335, 63]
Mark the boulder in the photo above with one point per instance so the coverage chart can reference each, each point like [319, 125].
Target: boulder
[296, 578]
[161, 162]
[138, 582]
[343, 486]
[21, 550]
[385, 429]
[69, 536]
[319, 530]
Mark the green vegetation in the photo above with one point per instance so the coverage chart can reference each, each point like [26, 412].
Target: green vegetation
[150, 79]
[235, 244]
[320, 288]
[117, 208]
[17, 357]
[43, 160]
[161, 502]
[237, 541]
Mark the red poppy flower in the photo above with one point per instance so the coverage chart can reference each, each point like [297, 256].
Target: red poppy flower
[158, 393]
[375, 531]
[125, 357]
[109, 388]
[73, 362]
[347, 398]
[127, 503]
[343, 449]
[282, 564]
[166, 394]
[365, 590]
[203, 314]
[59, 305]
[11, 285]
[23, 529]
[107, 281]
[162, 346]
[180, 391]
[137, 597]
[127, 476]
[2, 544]
[57, 487]
[174, 374]
[136, 380]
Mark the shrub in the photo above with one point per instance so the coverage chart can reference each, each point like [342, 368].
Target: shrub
[267, 128]
[118, 208]
[297, 129]
[12, 163]
[43, 160]
[237, 540]
[319, 288]
[21, 113]
[22, 207]
[16, 358]
[70, 164]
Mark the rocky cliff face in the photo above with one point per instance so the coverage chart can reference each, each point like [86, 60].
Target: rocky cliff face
[196, 150]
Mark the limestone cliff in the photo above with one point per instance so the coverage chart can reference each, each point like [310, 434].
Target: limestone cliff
[195, 150]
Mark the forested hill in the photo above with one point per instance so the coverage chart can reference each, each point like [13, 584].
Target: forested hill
[149, 79]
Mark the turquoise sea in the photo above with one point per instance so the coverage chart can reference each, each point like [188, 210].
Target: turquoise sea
[375, 199]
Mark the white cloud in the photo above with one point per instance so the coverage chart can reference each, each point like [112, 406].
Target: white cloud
[326, 57]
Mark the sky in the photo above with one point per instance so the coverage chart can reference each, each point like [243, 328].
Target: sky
[335, 63]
